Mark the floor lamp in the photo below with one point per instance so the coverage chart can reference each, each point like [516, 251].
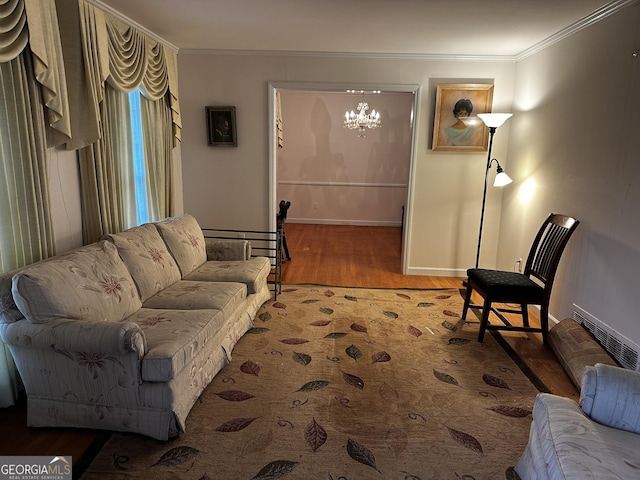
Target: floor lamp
[493, 121]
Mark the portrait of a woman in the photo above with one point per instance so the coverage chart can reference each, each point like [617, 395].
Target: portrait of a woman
[460, 133]
[456, 124]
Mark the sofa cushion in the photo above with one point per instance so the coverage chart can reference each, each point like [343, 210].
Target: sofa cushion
[90, 283]
[175, 337]
[611, 396]
[185, 241]
[253, 272]
[189, 295]
[146, 256]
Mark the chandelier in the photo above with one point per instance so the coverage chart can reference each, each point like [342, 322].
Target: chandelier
[362, 120]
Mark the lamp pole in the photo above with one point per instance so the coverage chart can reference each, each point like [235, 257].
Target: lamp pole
[493, 121]
[492, 131]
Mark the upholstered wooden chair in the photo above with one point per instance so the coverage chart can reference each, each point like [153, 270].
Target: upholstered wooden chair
[532, 287]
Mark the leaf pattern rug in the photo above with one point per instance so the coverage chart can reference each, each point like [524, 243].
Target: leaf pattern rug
[351, 384]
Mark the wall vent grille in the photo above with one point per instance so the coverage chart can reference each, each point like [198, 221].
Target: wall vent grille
[619, 347]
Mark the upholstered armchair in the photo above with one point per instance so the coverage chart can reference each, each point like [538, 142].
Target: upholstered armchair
[599, 438]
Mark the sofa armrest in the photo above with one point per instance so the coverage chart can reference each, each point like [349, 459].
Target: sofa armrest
[611, 396]
[77, 336]
[227, 250]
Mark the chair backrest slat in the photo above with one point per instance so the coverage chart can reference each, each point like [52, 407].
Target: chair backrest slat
[548, 246]
[551, 242]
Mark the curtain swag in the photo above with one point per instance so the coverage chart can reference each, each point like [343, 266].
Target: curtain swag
[128, 59]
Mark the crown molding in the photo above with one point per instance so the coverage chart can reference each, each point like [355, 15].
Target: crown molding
[595, 17]
[120, 16]
[377, 56]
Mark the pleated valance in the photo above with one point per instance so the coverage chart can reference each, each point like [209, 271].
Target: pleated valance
[35, 22]
[13, 29]
[122, 55]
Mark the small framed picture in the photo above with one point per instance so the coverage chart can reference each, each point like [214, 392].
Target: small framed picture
[221, 126]
[456, 126]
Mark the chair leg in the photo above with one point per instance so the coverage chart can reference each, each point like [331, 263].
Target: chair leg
[525, 315]
[486, 310]
[544, 322]
[467, 301]
[284, 244]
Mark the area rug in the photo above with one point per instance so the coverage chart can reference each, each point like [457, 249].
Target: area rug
[352, 384]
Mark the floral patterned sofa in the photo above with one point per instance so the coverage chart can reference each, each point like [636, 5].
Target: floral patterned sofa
[125, 334]
[598, 439]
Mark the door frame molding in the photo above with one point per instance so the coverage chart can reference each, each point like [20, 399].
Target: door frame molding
[342, 87]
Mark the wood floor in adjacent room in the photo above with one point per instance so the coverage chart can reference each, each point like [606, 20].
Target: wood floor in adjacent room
[337, 255]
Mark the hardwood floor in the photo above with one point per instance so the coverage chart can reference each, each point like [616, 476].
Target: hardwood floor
[352, 256]
[332, 255]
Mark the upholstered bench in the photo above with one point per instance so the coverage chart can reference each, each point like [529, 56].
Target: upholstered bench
[575, 347]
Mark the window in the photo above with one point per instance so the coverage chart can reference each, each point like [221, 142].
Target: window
[139, 166]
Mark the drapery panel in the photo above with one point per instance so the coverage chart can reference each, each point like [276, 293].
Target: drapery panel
[156, 120]
[26, 231]
[82, 113]
[35, 22]
[279, 126]
[101, 175]
[24, 176]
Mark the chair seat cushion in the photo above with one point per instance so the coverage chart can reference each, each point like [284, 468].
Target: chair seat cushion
[506, 285]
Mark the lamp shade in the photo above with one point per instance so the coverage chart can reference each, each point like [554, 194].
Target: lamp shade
[494, 120]
[502, 179]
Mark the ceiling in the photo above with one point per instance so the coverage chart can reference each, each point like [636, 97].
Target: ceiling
[388, 27]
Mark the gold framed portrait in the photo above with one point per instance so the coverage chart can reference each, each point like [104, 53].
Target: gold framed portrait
[456, 126]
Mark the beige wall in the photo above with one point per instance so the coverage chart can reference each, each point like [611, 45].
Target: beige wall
[573, 149]
[230, 187]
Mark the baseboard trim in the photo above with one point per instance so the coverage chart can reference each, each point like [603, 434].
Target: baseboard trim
[437, 272]
[358, 223]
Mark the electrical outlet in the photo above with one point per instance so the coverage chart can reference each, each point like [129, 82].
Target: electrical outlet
[517, 266]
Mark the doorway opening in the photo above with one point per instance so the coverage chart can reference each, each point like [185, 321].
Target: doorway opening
[329, 174]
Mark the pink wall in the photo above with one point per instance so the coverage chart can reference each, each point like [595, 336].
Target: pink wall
[332, 176]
